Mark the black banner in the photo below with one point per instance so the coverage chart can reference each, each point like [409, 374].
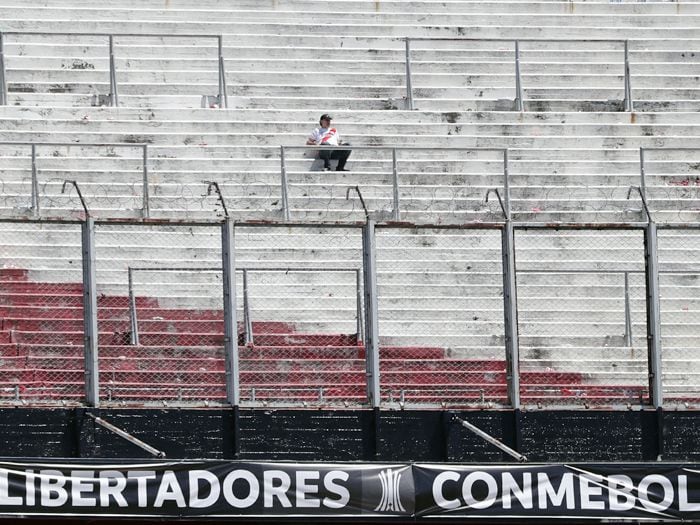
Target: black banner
[659, 492]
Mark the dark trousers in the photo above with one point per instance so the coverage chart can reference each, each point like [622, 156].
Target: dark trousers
[340, 155]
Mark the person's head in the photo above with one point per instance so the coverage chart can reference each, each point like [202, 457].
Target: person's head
[325, 120]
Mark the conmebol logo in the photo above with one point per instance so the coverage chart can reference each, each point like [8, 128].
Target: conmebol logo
[391, 500]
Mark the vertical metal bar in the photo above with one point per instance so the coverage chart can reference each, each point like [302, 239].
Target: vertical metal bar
[519, 103]
[3, 78]
[90, 340]
[395, 182]
[285, 185]
[369, 261]
[113, 95]
[223, 95]
[35, 184]
[233, 392]
[358, 293]
[134, 338]
[247, 320]
[653, 315]
[642, 173]
[146, 206]
[628, 312]
[510, 301]
[409, 80]
[628, 103]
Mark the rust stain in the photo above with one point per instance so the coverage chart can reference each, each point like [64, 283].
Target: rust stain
[376, 5]
[633, 118]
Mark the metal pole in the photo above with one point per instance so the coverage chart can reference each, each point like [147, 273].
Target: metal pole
[223, 95]
[409, 82]
[395, 182]
[35, 184]
[3, 79]
[146, 207]
[490, 439]
[233, 387]
[90, 341]
[369, 261]
[519, 106]
[358, 292]
[628, 104]
[642, 173]
[285, 186]
[653, 315]
[113, 95]
[247, 321]
[134, 338]
[131, 439]
[628, 312]
[510, 306]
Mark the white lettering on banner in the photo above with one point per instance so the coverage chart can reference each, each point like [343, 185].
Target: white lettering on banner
[589, 486]
[52, 482]
[438, 493]
[112, 484]
[141, 477]
[82, 481]
[683, 503]
[276, 491]
[467, 490]
[339, 490]
[303, 489]
[29, 488]
[643, 490]
[195, 477]
[523, 495]
[546, 491]
[169, 490]
[5, 498]
[620, 495]
[253, 488]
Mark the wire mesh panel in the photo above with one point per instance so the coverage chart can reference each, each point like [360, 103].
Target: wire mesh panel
[440, 305]
[160, 314]
[582, 317]
[41, 301]
[300, 311]
[679, 287]
[673, 183]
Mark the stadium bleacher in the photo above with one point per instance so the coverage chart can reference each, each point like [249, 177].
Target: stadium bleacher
[572, 156]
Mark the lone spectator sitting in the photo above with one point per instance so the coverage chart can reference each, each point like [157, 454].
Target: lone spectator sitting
[325, 135]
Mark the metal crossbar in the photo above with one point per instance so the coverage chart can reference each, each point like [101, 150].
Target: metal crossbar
[519, 96]
[113, 95]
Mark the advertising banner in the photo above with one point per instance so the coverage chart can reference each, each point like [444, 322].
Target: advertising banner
[319, 491]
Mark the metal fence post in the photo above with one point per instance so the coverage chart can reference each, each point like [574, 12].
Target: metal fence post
[146, 207]
[285, 185]
[395, 183]
[3, 79]
[653, 315]
[223, 95]
[628, 104]
[409, 80]
[92, 384]
[518, 81]
[247, 320]
[642, 173]
[369, 265]
[113, 95]
[134, 336]
[358, 292]
[233, 391]
[35, 184]
[510, 307]
[628, 312]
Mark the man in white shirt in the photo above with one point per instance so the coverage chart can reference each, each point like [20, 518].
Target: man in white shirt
[325, 135]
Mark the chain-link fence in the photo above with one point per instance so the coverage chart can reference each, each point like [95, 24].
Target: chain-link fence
[679, 288]
[298, 297]
[41, 301]
[582, 317]
[160, 313]
[440, 308]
